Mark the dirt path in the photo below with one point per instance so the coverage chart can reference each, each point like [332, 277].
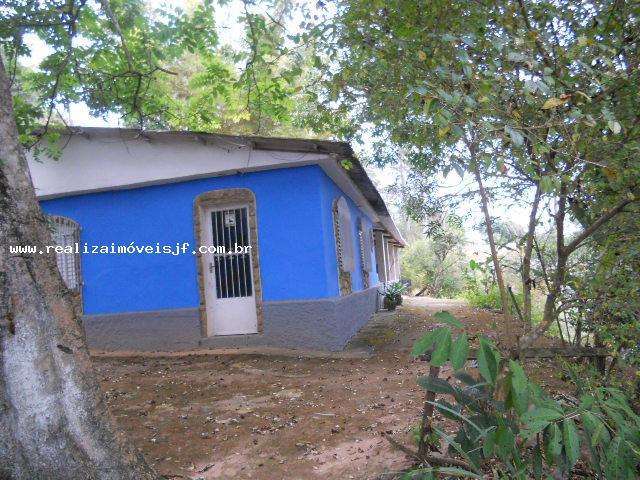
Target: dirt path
[270, 417]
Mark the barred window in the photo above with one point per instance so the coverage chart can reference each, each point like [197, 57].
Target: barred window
[66, 233]
[365, 238]
[344, 236]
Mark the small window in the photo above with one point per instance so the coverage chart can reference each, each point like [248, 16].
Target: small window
[344, 237]
[345, 240]
[366, 241]
[66, 233]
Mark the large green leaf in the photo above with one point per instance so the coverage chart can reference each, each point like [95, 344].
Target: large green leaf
[425, 343]
[446, 411]
[471, 398]
[442, 348]
[458, 448]
[614, 461]
[422, 473]
[489, 444]
[534, 427]
[457, 414]
[553, 444]
[519, 387]
[537, 462]
[505, 442]
[595, 429]
[541, 414]
[459, 351]
[446, 317]
[469, 380]
[435, 384]
[571, 441]
[488, 361]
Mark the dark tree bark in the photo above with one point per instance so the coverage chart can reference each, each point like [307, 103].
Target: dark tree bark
[563, 252]
[54, 423]
[484, 205]
[527, 282]
[426, 427]
[422, 290]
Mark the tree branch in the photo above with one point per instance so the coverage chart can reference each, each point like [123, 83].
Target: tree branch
[106, 7]
[437, 460]
[587, 232]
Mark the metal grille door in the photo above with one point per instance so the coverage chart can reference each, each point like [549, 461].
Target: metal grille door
[232, 258]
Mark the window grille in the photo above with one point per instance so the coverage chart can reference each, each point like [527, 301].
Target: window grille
[344, 236]
[66, 233]
[366, 242]
[232, 269]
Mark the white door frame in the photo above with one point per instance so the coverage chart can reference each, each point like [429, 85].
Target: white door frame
[235, 315]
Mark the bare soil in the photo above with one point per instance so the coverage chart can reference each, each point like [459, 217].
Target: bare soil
[285, 417]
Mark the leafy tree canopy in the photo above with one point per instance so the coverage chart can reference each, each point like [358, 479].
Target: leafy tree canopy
[155, 67]
[538, 99]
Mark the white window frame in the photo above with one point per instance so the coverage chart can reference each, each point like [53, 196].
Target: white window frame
[344, 237]
[66, 233]
[365, 237]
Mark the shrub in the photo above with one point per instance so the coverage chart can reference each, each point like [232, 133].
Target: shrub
[506, 421]
[392, 295]
[439, 275]
[487, 300]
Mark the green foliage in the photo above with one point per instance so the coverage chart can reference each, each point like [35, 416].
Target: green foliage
[446, 317]
[480, 289]
[528, 96]
[604, 290]
[506, 421]
[459, 351]
[488, 361]
[518, 79]
[154, 66]
[113, 55]
[435, 264]
[431, 473]
[427, 341]
[392, 295]
[477, 298]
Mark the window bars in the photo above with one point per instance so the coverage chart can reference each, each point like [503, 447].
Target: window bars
[231, 267]
[344, 236]
[365, 238]
[66, 233]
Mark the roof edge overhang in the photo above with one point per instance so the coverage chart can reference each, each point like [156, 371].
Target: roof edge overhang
[337, 152]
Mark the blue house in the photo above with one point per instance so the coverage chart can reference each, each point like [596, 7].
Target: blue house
[181, 240]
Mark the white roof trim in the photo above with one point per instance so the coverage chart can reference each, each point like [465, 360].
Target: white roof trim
[112, 159]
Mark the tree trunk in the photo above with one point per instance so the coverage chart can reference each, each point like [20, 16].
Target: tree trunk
[54, 423]
[422, 290]
[484, 203]
[526, 259]
[549, 315]
[563, 252]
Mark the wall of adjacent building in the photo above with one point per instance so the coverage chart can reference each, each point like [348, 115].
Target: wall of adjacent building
[295, 235]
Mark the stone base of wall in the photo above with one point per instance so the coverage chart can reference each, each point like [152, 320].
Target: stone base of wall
[323, 324]
[161, 330]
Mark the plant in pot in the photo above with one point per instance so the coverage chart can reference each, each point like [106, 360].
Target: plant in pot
[392, 295]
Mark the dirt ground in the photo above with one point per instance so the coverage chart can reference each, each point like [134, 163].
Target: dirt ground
[284, 417]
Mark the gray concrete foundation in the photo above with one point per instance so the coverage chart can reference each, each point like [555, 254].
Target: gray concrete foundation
[322, 324]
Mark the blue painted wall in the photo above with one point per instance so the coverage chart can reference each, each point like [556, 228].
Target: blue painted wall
[295, 234]
[330, 191]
